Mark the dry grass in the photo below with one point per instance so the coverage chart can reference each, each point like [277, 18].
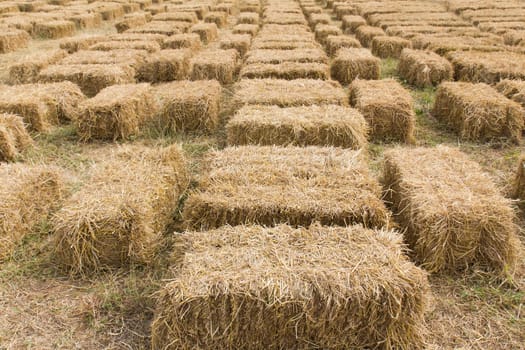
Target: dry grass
[165, 65]
[286, 70]
[328, 125]
[270, 185]
[26, 70]
[424, 68]
[14, 137]
[519, 182]
[117, 217]
[513, 89]
[54, 29]
[221, 298]
[152, 37]
[477, 112]
[387, 107]
[13, 39]
[116, 112]
[190, 41]
[455, 217]
[355, 63]
[86, 20]
[213, 64]
[389, 46]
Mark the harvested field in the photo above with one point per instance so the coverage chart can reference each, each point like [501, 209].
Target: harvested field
[389, 46]
[218, 281]
[424, 68]
[286, 70]
[335, 42]
[455, 217]
[477, 112]
[54, 29]
[116, 112]
[355, 63]
[387, 107]
[117, 217]
[270, 185]
[218, 65]
[13, 39]
[239, 42]
[288, 93]
[14, 137]
[207, 31]
[189, 106]
[29, 194]
[150, 46]
[329, 125]
[26, 70]
[190, 41]
[165, 65]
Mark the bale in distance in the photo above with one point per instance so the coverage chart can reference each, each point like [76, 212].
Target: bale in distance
[353, 63]
[455, 217]
[152, 37]
[150, 46]
[207, 31]
[248, 18]
[72, 45]
[177, 16]
[286, 70]
[316, 55]
[343, 10]
[26, 69]
[136, 20]
[322, 31]
[165, 65]
[85, 21]
[319, 18]
[213, 300]
[14, 137]
[167, 28]
[352, 22]
[13, 39]
[366, 33]
[335, 42]
[385, 46]
[123, 57]
[218, 17]
[250, 29]
[218, 65]
[54, 29]
[424, 68]
[239, 42]
[191, 41]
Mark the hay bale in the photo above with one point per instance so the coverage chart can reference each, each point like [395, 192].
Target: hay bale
[487, 67]
[167, 28]
[228, 8]
[351, 23]
[316, 55]
[513, 89]
[365, 34]
[218, 17]
[283, 42]
[322, 31]
[514, 37]
[389, 46]
[54, 29]
[286, 70]
[353, 63]
[152, 37]
[477, 112]
[387, 107]
[288, 93]
[190, 41]
[218, 65]
[150, 46]
[206, 31]
[75, 44]
[454, 216]
[248, 18]
[239, 42]
[166, 65]
[29, 194]
[190, 106]
[121, 212]
[319, 18]
[91, 78]
[13, 39]
[303, 289]
[116, 112]
[189, 17]
[250, 29]
[132, 58]
[269, 185]
[328, 125]
[86, 20]
[344, 10]
[519, 182]
[129, 22]
[335, 42]
[27, 68]
[424, 68]
[14, 137]
[111, 11]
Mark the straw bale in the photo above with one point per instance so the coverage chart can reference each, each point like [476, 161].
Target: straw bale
[513, 89]
[353, 63]
[389, 46]
[152, 37]
[452, 42]
[155, 10]
[248, 18]
[424, 68]
[13, 39]
[150, 46]
[239, 42]
[284, 18]
[189, 17]
[478, 112]
[228, 8]
[14, 137]
[519, 182]
[328, 125]
[454, 216]
[284, 288]
[116, 112]
[487, 67]
[54, 29]
[311, 8]
[345, 10]
[250, 7]
[278, 56]
[119, 215]
[27, 68]
[86, 20]
[322, 31]
[161, 27]
[277, 29]
[75, 44]
[191, 41]
[130, 58]
[366, 33]
[269, 185]
[514, 37]
[91, 78]
[272, 42]
[29, 194]
[190, 106]
[250, 29]
[286, 70]
[165, 65]
[207, 31]
[199, 10]
[137, 20]
[335, 42]
[288, 93]
[213, 64]
[111, 11]
[319, 18]
[218, 17]
[352, 22]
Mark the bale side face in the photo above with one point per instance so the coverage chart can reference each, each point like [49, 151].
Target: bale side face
[166, 65]
[300, 294]
[270, 185]
[208, 32]
[366, 33]
[249, 29]
[26, 70]
[220, 65]
[239, 42]
[13, 39]
[150, 46]
[316, 55]
[190, 41]
[519, 182]
[355, 63]
[286, 70]
[424, 68]
[352, 22]
[54, 29]
[335, 42]
[454, 215]
[389, 46]
[14, 137]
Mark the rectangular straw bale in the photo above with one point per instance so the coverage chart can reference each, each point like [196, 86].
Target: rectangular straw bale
[26, 69]
[519, 182]
[229, 8]
[322, 31]
[190, 106]
[288, 93]
[286, 70]
[128, 57]
[344, 10]
[13, 39]
[352, 22]
[366, 33]
[355, 63]
[387, 107]
[239, 42]
[14, 137]
[129, 22]
[424, 68]
[319, 18]
[250, 29]
[207, 31]
[284, 18]
[152, 37]
[116, 112]
[191, 41]
[275, 43]
[91, 78]
[248, 18]
[75, 44]
[150, 46]
[513, 89]
[335, 42]
[454, 216]
[477, 112]
[449, 43]
[119, 215]
[308, 9]
[218, 65]
[29, 194]
[269, 185]
[161, 27]
[189, 17]
[385, 46]
[54, 29]
[155, 9]
[165, 65]
[301, 292]
[86, 20]
[279, 56]
[218, 17]
[328, 125]
[111, 11]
